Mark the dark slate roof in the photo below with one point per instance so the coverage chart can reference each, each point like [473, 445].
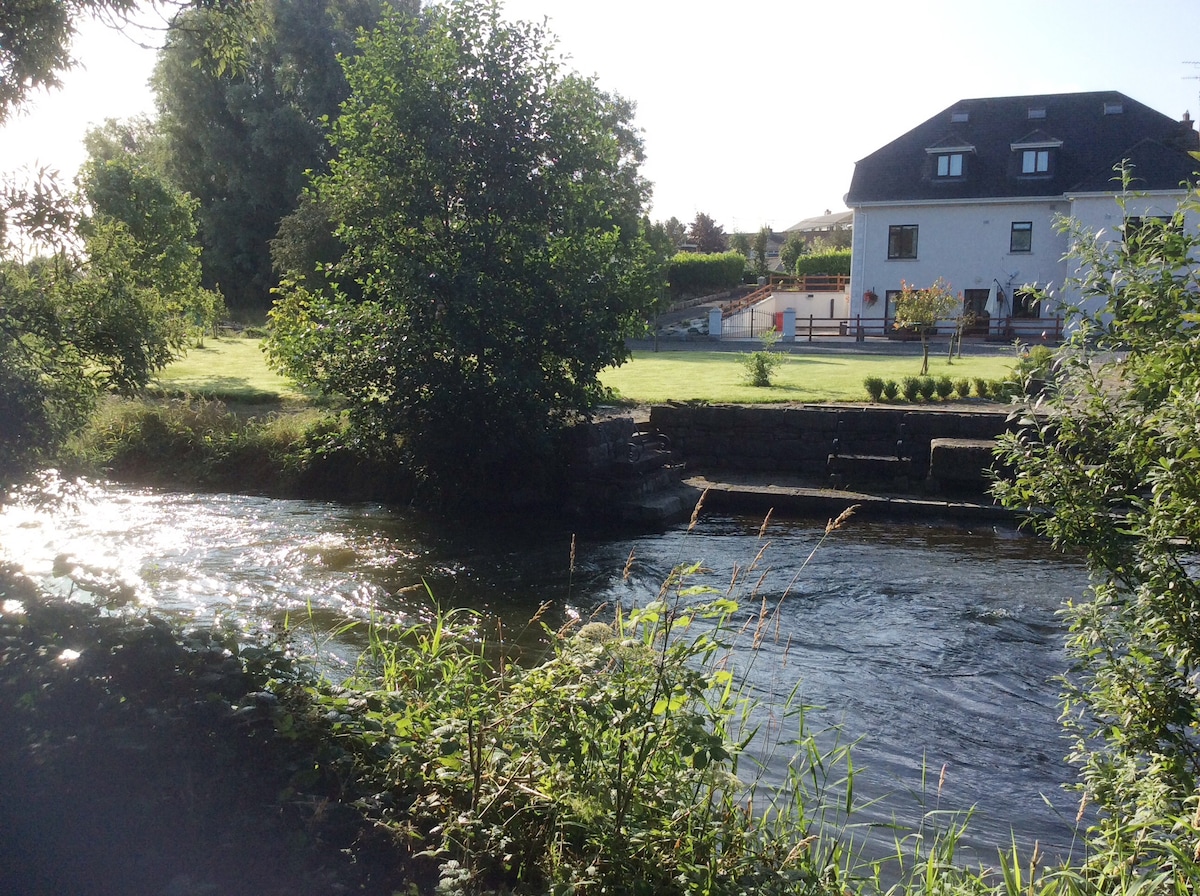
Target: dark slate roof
[1092, 142]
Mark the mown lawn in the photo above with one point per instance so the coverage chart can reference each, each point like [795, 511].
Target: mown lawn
[235, 369]
[231, 369]
[655, 377]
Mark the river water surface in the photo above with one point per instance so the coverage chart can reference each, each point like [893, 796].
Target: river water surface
[935, 644]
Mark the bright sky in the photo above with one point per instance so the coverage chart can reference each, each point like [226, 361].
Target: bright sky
[755, 112]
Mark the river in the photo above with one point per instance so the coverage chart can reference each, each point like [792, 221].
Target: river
[936, 645]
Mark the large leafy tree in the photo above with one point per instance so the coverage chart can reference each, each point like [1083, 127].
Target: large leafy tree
[491, 203]
[1110, 462]
[241, 138]
[99, 303]
[130, 202]
[707, 235]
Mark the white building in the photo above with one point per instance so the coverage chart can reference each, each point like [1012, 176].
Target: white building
[972, 196]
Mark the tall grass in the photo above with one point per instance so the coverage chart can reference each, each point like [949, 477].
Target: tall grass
[630, 758]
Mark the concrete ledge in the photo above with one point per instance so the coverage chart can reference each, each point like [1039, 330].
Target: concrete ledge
[748, 497]
[960, 463]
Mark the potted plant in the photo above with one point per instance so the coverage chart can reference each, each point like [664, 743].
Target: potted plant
[870, 297]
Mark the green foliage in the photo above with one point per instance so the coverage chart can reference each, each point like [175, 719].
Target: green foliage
[740, 243]
[910, 387]
[492, 209]
[962, 387]
[707, 235]
[921, 309]
[793, 247]
[834, 262]
[696, 274]
[1110, 460]
[944, 386]
[35, 43]
[133, 205]
[874, 386]
[617, 764]
[890, 389]
[761, 365]
[762, 241]
[926, 387]
[982, 388]
[241, 139]
[77, 322]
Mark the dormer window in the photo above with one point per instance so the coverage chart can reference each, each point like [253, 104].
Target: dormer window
[1035, 161]
[1034, 155]
[950, 164]
[948, 158]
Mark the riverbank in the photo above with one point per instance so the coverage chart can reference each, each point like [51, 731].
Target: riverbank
[137, 759]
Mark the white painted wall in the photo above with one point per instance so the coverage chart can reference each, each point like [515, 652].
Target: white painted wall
[967, 244]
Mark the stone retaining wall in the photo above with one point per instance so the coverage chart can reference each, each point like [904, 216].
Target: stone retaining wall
[801, 439]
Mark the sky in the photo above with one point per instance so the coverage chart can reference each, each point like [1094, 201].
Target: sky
[754, 113]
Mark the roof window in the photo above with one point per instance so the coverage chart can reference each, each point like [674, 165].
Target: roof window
[1036, 112]
[960, 116]
[1114, 107]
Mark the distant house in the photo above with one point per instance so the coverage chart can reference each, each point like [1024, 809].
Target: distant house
[972, 196]
[830, 227]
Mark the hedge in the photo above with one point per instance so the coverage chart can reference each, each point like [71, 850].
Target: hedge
[691, 272]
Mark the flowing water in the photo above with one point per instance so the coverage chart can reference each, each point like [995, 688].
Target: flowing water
[936, 644]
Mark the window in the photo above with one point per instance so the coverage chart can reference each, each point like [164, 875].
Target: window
[1140, 232]
[1036, 112]
[1020, 239]
[960, 116]
[1035, 161]
[950, 164]
[902, 241]
[1026, 303]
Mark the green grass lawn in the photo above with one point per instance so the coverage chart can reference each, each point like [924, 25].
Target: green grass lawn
[655, 377]
[234, 369]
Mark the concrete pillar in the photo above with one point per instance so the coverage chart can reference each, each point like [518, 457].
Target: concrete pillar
[714, 323]
[789, 324]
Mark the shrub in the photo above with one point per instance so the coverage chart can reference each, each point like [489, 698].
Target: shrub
[963, 387]
[911, 387]
[761, 365]
[891, 389]
[982, 387]
[926, 386]
[1004, 389]
[944, 386]
[874, 386]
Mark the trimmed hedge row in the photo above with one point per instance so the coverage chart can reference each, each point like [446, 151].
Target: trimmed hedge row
[831, 263]
[690, 272]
